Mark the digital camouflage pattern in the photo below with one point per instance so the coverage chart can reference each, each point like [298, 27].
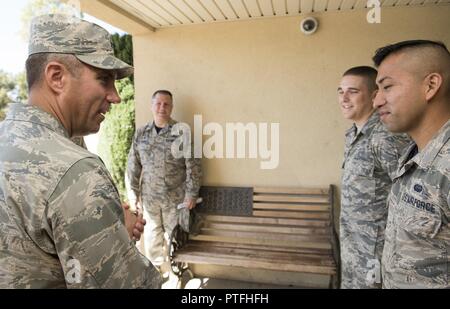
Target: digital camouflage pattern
[161, 182]
[79, 140]
[416, 252]
[60, 214]
[370, 162]
[90, 43]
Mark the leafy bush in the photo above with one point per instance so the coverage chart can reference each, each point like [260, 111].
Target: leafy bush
[7, 84]
[116, 135]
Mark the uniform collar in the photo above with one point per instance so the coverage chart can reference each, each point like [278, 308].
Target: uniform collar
[33, 114]
[366, 129]
[426, 157]
[168, 127]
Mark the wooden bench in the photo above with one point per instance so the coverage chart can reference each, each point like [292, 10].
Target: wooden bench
[289, 230]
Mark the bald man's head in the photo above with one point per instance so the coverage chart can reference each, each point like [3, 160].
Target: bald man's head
[420, 58]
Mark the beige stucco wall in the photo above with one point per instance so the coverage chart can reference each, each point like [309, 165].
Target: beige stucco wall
[268, 71]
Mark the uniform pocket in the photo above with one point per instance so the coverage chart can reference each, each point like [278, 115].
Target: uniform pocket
[417, 251]
[415, 243]
[418, 217]
[146, 155]
[364, 169]
[359, 186]
[421, 224]
[175, 170]
[359, 195]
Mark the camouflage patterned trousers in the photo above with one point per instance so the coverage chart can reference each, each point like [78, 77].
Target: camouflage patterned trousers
[161, 220]
[361, 249]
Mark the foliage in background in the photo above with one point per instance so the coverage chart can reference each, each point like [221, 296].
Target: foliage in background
[123, 48]
[21, 94]
[116, 135]
[16, 90]
[7, 85]
[13, 88]
[117, 131]
[40, 7]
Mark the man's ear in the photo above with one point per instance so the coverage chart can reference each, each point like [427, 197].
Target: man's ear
[55, 76]
[433, 82]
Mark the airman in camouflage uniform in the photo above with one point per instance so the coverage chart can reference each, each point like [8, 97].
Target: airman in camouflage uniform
[414, 97]
[158, 180]
[61, 219]
[370, 162]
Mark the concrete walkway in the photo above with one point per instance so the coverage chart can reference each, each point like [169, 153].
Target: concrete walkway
[214, 283]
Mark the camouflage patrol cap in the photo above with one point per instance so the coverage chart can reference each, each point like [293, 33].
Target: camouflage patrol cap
[65, 34]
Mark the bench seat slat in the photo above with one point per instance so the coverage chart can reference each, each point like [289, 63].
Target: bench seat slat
[306, 191]
[274, 237]
[261, 241]
[297, 207]
[289, 198]
[291, 214]
[282, 257]
[252, 261]
[313, 251]
[276, 229]
[269, 252]
[262, 220]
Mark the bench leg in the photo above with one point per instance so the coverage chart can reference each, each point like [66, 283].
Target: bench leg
[179, 268]
[185, 277]
[177, 240]
[334, 282]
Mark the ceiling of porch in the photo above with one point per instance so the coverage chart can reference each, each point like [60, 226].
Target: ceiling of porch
[154, 14]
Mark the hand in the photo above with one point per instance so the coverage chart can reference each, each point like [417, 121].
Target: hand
[134, 222]
[139, 227]
[190, 202]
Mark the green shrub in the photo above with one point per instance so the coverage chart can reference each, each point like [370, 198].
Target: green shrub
[116, 135]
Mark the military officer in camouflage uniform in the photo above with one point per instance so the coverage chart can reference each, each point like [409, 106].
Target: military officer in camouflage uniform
[370, 162]
[414, 97]
[158, 180]
[60, 213]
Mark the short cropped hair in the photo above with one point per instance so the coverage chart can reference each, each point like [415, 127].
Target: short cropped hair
[163, 92]
[35, 65]
[369, 73]
[385, 51]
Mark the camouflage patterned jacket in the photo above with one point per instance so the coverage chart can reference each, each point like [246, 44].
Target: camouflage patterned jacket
[61, 221]
[155, 176]
[417, 248]
[370, 162]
